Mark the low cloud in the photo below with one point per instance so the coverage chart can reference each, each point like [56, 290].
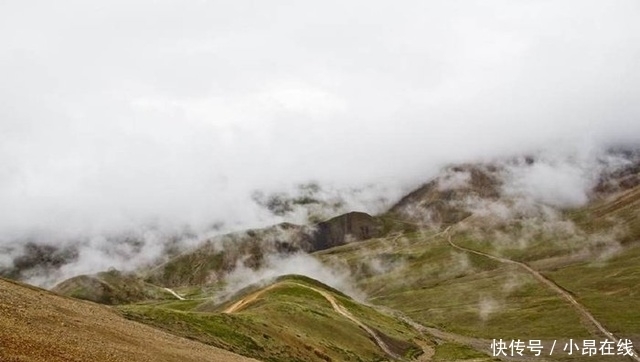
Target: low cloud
[486, 307]
[453, 180]
[276, 265]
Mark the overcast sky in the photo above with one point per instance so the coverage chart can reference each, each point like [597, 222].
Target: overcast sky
[116, 113]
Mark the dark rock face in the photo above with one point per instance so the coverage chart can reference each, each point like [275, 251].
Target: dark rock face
[354, 226]
[39, 258]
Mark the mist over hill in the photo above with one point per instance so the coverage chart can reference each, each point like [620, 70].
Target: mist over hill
[536, 187]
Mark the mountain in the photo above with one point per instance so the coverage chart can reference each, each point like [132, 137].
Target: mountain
[215, 258]
[470, 256]
[442, 201]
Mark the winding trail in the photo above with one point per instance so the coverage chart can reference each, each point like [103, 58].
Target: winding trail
[242, 303]
[549, 283]
[174, 293]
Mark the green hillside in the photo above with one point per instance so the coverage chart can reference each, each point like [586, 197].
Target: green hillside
[292, 319]
[434, 277]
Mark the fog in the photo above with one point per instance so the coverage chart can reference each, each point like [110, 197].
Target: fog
[295, 264]
[118, 116]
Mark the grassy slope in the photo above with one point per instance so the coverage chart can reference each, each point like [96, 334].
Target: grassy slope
[465, 294]
[111, 287]
[449, 351]
[475, 296]
[288, 322]
[37, 325]
[610, 289]
[608, 282]
[600, 267]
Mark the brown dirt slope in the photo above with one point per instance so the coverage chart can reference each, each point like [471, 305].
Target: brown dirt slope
[36, 325]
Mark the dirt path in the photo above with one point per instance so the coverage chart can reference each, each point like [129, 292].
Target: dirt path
[242, 303]
[237, 306]
[549, 283]
[345, 313]
[174, 293]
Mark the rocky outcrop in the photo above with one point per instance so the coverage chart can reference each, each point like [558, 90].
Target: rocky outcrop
[353, 226]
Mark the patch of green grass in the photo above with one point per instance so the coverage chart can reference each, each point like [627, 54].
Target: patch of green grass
[522, 246]
[220, 330]
[502, 303]
[608, 288]
[182, 305]
[449, 351]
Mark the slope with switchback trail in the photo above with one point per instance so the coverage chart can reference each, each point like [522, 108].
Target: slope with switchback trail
[242, 303]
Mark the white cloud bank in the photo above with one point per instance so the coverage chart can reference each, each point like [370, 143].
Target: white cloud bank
[117, 114]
